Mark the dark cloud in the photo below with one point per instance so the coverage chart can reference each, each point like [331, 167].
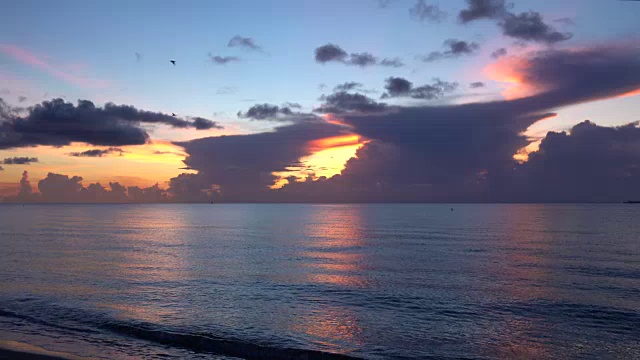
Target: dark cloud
[152, 194]
[399, 87]
[25, 185]
[395, 62]
[342, 102]
[60, 188]
[499, 53]
[334, 53]
[59, 123]
[482, 9]
[477, 84]
[526, 26]
[347, 86]
[268, 112]
[422, 11]
[97, 152]
[205, 124]
[529, 26]
[190, 188]
[19, 160]
[362, 59]
[242, 165]
[222, 60]
[454, 49]
[330, 52]
[464, 152]
[433, 91]
[592, 163]
[22, 99]
[244, 42]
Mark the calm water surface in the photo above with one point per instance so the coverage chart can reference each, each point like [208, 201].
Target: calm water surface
[322, 281]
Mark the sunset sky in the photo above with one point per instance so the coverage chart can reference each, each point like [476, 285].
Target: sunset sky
[321, 100]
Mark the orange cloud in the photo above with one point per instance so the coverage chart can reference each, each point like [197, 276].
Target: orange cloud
[522, 155]
[29, 58]
[630, 93]
[335, 141]
[510, 70]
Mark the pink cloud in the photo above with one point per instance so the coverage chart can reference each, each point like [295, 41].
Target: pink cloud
[70, 75]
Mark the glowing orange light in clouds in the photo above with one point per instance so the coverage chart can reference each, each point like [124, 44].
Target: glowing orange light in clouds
[510, 70]
[522, 155]
[335, 141]
[332, 119]
[631, 93]
[328, 157]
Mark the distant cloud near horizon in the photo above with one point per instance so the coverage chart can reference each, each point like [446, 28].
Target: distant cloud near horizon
[59, 188]
[334, 53]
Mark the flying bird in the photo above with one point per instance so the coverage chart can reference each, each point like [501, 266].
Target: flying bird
[173, 62]
[173, 114]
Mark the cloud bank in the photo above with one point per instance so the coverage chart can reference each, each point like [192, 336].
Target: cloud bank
[423, 153]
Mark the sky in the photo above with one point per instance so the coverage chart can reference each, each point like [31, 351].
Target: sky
[320, 101]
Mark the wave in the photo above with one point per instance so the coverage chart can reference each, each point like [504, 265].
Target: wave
[196, 342]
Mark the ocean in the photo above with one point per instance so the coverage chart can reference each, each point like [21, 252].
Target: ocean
[303, 281]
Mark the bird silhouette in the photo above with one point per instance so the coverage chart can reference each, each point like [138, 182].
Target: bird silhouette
[173, 62]
[173, 114]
